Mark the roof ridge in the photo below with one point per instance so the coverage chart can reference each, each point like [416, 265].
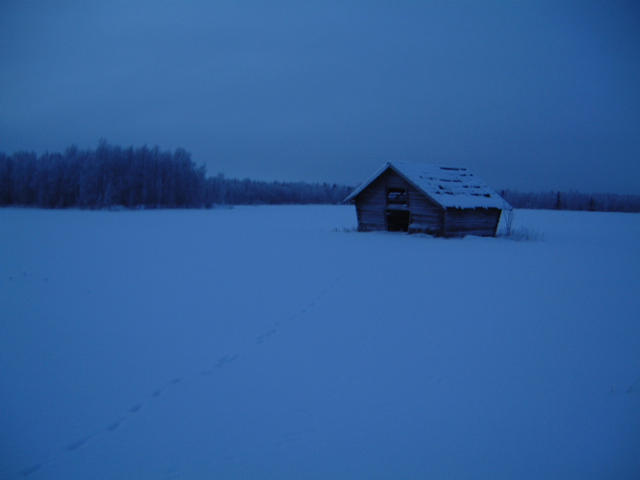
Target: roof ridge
[448, 186]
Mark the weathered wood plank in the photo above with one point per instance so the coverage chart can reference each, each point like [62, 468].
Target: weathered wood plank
[478, 221]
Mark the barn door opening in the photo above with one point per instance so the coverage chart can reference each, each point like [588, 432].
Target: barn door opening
[398, 220]
[397, 212]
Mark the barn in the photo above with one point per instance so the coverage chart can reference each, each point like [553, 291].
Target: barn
[413, 197]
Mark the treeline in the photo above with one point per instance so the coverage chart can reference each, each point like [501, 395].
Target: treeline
[111, 176]
[601, 202]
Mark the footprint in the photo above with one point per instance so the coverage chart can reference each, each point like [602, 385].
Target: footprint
[206, 372]
[171, 474]
[176, 380]
[135, 408]
[32, 469]
[261, 338]
[114, 425]
[156, 393]
[294, 436]
[78, 444]
[223, 360]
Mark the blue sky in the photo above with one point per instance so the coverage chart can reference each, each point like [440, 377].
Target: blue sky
[531, 95]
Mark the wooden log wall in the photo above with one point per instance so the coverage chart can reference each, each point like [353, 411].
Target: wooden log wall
[477, 221]
[370, 206]
[426, 216]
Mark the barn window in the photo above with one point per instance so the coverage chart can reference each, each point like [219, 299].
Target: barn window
[397, 196]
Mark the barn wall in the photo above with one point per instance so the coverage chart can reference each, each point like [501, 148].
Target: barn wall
[477, 221]
[426, 216]
[371, 205]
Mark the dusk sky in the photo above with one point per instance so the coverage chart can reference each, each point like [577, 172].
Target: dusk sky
[531, 95]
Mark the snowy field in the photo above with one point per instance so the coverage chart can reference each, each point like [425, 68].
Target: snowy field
[273, 342]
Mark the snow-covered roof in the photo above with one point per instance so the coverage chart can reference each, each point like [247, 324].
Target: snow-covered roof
[450, 187]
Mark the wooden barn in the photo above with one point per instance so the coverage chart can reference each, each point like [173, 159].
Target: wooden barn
[444, 201]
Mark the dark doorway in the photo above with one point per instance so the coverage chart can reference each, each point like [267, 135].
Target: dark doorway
[397, 220]
[397, 210]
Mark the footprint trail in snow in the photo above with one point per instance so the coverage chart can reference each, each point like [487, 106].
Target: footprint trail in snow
[222, 361]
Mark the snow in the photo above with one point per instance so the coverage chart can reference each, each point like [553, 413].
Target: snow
[450, 187]
[275, 342]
